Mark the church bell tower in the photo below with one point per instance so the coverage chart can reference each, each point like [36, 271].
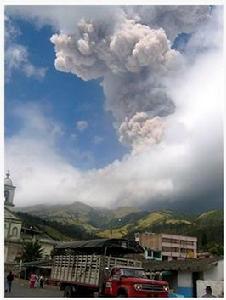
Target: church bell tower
[9, 190]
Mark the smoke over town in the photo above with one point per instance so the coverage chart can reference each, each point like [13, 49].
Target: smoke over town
[133, 60]
[158, 94]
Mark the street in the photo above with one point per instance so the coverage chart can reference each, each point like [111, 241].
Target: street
[20, 289]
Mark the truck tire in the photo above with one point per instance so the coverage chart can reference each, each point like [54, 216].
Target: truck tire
[122, 294]
[68, 292]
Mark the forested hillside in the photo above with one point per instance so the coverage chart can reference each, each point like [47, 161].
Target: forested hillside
[81, 222]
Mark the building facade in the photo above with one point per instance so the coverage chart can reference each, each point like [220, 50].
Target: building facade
[189, 277]
[16, 234]
[13, 248]
[167, 246]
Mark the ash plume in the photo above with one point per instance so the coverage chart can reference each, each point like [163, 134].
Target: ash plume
[133, 61]
[173, 18]
[141, 131]
[128, 48]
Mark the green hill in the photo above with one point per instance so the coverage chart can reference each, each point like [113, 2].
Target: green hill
[79, 213]
[79, 221]
[56, 230]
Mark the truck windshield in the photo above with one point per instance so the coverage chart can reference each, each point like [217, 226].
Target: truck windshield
[133, 273]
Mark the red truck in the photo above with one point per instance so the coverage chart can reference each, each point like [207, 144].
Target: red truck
[88, 269]
[133, 282]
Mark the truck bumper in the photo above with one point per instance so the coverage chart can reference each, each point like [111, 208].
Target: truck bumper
[142, 294]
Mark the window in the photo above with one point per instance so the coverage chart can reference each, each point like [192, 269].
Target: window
[157, 254]
[6, 195]
[150, 253]
[168, 240]
[139, 273]
[15, 231]
[170, 249]
[188, 243]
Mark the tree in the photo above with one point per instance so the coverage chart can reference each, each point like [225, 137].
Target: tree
[215, 249]
[203, 240]
[32, 251]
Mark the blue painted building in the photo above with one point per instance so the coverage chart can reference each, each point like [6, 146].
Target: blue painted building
[183, 275]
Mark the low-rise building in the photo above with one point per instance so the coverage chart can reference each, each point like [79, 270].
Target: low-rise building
[167, 246]
[189, 277]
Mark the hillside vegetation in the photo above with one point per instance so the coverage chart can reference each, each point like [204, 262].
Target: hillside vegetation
[79, 221]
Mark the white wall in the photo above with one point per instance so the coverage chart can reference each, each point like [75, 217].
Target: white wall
[9, 231]
[216, 273]
[217, 288]
[5, 253]
[184, 279]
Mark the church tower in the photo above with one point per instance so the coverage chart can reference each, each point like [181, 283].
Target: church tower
[9, 190]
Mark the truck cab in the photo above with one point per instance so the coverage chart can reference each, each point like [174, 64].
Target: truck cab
[132, 282]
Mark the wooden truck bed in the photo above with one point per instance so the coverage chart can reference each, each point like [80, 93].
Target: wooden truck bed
[85, 269]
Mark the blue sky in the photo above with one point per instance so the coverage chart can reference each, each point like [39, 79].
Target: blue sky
[65, 99]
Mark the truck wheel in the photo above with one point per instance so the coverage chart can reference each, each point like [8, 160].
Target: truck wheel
[122, 294]
[68, 292]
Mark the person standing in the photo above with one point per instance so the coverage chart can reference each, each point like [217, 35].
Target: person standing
[37, 281]
[33, 279]
[41, 281]
[10, 279]
[209, 293]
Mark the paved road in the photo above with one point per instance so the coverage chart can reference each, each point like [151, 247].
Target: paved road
[20, 289]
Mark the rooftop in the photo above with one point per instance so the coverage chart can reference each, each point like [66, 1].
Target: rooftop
[101, 246]
[190, 264]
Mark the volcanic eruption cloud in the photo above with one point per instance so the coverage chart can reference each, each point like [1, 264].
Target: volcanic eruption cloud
[132, 54]
[161, 71]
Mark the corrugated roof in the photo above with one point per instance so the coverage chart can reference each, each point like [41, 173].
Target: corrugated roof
[101, 244]
[83, 244]
[42, 262]
[190, 264]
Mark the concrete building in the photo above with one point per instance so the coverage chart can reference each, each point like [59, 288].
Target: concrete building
[167, 246]
[189, 277]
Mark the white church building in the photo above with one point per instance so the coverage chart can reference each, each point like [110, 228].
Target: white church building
[12, 225]
[15, 234]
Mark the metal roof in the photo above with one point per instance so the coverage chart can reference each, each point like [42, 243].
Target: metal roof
[99, 245]
[83, 244]
[189, 264]
[43, 262]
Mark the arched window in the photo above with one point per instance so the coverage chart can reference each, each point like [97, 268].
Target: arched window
[15, 231]
[6, 195]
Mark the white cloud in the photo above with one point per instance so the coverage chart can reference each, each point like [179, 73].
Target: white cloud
[32, 71]
[98, 139]
[82, 125]
[54, 15]
[16, 59]
[183, 163]
[17, 56]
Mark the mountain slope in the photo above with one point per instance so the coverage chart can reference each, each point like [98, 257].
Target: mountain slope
[79, 221]
[82, 214]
